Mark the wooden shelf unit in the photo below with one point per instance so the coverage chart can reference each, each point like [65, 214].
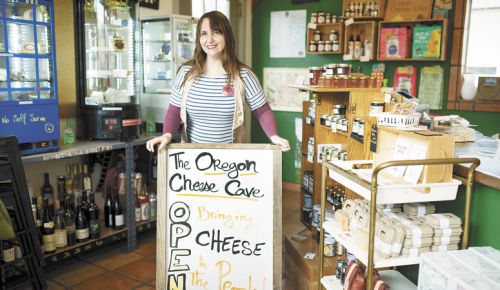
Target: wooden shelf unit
[357, 103]
[411, 24]
[325, 29]
[364, 29]
[381, 9]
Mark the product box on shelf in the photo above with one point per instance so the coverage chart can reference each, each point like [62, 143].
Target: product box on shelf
[395, 43]
[427, 41]
[394, 144]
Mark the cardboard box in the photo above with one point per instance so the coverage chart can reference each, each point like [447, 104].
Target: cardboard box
[427, 41]
[488, 89]
[394, 43]
[437, 145]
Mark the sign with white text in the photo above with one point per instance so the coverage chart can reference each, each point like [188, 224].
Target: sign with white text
[220, 220]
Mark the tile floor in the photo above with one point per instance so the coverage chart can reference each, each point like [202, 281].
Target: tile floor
[112, 267]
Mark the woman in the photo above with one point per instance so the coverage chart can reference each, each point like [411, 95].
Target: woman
[210, 90]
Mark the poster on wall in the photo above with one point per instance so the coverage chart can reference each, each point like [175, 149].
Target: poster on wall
[219, 217]
[280, 95]
[288, 34]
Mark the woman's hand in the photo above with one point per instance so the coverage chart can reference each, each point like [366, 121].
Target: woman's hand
[163, 140]
[275, 139]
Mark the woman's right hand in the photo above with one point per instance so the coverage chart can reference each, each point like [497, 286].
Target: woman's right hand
[163, 140]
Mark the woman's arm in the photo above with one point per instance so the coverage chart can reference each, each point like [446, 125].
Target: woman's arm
[172, 119]
[265, 116]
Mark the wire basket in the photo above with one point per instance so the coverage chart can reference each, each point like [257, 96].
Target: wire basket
[400, 121]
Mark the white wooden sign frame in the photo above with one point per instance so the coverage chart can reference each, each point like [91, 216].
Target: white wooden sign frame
[164, 257]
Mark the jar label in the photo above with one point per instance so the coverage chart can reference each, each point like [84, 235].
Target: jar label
[61, 239]
[119, 220]
[48, 242]
[9, 255]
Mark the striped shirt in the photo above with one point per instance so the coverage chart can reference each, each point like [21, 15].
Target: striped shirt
[209, 113]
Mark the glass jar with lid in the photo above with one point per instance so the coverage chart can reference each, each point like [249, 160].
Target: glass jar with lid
[328, 17]
[335, 82]
[330, 69]
[333, 35]
[335, 46]
[321, 46]
[376, 107]
[321, 17]
[314, 17]
[353, 82]
[355, 126]
[314, 75]
[372, 83]
[343, 81]
[363, 82]
[313, 47]
[321, 82]
[361, 128]
[328, 81]
[317, 35]
[328, 46]
[343, 69]
[339, 109]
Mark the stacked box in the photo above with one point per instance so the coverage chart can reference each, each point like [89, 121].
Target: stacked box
[427, 41]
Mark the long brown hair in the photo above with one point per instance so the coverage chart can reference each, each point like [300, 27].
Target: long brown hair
[230, 62]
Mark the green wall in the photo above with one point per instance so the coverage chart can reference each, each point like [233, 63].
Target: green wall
[261, 23]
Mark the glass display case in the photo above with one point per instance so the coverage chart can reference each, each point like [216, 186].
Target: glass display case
[167, 42]
[107, 65]
[28, 83]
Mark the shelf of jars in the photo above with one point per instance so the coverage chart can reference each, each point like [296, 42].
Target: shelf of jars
[318, 89]
[364, 9]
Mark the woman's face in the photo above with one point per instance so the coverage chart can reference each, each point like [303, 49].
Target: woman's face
[212, 41]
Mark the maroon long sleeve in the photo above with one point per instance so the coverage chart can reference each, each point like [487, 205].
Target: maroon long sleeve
[266, 119]
[172, 120]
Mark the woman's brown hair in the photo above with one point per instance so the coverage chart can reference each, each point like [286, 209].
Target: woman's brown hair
[230, 63]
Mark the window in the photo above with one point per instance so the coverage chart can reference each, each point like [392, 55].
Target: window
[481, 39]
[199, 7]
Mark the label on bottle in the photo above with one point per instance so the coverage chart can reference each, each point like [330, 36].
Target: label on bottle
[49, 244]
[48, 225]
[94, 227]
[82, 234]
[19, 253]
[145, 211]
[61, 238]
[153, 210]
[119, 220]
[9, 255]
[87, 183]
[137, 214]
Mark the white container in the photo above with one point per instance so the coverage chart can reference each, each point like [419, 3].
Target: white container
[473, 262]
[489, 253]
[437, 269]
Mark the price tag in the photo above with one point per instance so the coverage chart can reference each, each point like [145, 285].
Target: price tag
[309, 256]
[311, 25]
[349, 21]
[347, 57]
[364, 59]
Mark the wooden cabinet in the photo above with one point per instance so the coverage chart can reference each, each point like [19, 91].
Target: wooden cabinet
[357, 103]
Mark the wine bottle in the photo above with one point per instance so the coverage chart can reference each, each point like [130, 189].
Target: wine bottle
[69, 218]
[85, 205]
[69, 178]
[61, 236]
[37, 217]
[108, 217]
[87, 180]
[77, 185]
[118, 216]
[61, 187]
[94, 225]
[48, 233]
[48, 192]
[82, 227]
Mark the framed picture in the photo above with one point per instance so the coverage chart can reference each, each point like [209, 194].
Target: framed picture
[153, 4]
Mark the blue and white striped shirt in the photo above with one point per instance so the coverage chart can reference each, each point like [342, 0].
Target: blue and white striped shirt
[209, 113]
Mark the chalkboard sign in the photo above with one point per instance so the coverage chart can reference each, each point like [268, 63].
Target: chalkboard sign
[219, 217]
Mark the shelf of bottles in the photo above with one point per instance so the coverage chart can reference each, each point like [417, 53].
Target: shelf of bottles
[28, 85]
[73, 223]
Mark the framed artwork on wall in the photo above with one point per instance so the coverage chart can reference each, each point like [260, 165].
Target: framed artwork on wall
[153, 4]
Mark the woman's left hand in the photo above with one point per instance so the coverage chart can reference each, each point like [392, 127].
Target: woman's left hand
[275, 139]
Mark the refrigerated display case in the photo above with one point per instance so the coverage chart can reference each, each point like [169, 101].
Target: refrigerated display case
[167, 42]
[107, 64]
[28, 82]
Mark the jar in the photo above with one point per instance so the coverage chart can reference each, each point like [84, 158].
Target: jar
[321, 17]
[329, 246]
[339, 109]
[354, 82]
[372, 82]
[330, 69]
[328, 17]
[343, 156]
[355, 126]
[333, 35]
[317, 35]
[322, 81]
[328, 46]
[334, 19]
[314, 17]
[328, 81]
[339, 124]
[335, 82]
[361, 128]
[363, 82]
[343, 81]
[376, 107]
[322, 119]
[328, 120]
[312, 46]
[321, 46]
[345, 125]
[335, 46]
[314, 75]
[343, 69]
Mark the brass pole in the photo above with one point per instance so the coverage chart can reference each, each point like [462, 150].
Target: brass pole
[468, 198]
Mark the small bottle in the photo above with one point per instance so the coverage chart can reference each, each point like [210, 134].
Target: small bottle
[82, 227]
[37, 216]
[117, 210]
[69, 134]
[8, 252]
[48, 192]
[87, 180]
[145, 208]
[137, 207]
[61, 236]
[69, 218]
[350, 46]
[108, 216]
[48, 233]
[94, 225]
[358, 50]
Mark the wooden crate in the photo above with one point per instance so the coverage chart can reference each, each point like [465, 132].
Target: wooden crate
[438, 146]
[365, 29]
[381, 8]
[325, 29]
[399, 10]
